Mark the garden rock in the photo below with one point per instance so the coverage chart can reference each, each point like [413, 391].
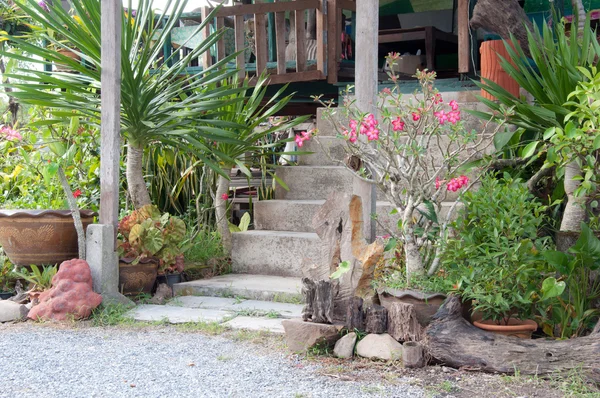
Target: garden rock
[300, 335]
[163, 293]
[344, 347]
[71, 294]
[379, 346]
[11, 311]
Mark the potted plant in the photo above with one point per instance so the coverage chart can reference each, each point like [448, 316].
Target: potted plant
[7, 279]
[493, 257]
[148, 241]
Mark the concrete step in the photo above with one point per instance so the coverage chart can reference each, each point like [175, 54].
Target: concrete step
[278, 253]
[285, 215]
[313, 182]
[240, 306]
[244, 286]
[326, 151]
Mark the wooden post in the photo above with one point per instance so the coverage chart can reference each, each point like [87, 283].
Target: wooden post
[367, 27]
[464, 50]
[207, 56]
[110, 125]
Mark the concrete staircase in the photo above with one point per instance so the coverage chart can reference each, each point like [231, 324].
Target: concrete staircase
[267, 261]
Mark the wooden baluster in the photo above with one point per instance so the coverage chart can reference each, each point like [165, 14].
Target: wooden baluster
[300, 42]
[260, 32]
[334, 19]
[321, 35]
[280, 33]
[240, 45]
[221, 42]
[207, 56]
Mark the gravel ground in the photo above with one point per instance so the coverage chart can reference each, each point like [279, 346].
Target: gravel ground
[45, 361]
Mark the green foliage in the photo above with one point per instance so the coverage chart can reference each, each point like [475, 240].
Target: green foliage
[28, 172]
[341, 269]
[494, 257]
[40, 279]
[579, 140]
[571, 312]
[156, 105]
[244, 224]
[7, 276]
[146, 233]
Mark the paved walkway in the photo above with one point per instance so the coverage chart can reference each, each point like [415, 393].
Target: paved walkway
[47, 361]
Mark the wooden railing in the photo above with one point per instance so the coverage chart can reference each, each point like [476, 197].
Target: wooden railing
[270, 50]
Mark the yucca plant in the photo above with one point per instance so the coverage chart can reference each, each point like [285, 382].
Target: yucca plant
[560, 60]
[158, 105]
[39, 278]
[249, 109]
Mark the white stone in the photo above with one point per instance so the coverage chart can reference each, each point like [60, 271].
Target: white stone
[153, 313]
[344, 347]
[379, 346]
[11, 311]
[272, 325]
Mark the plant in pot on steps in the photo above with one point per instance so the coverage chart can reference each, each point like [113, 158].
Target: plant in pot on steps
[493, 257]
[148, 241]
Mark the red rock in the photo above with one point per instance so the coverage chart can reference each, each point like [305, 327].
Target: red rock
[71, 295]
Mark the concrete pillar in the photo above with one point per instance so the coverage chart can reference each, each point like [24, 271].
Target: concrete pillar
[103, 260]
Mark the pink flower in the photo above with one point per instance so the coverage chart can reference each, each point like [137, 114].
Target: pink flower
[77, 193]
[437, 99]
[225, 196]
[10, 134]
[44, 6]
[416, 117]
[386, 91]
[438, 183]
[454, 105]
[442, 116]
[453, 117]
[352, 139]
[457, 183]
[398, 124]
[299, 140]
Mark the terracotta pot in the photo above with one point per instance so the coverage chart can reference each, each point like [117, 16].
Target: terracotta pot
[425, 304]
[515, 328]
[40, 237]
[69, 53]
[492, 70]
[137, 278]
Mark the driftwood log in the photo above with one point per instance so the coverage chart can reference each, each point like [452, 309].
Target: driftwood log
[503, 17]
[453, 341]
[376, 319]
[412, 355]
[355, 317]
[403, 324]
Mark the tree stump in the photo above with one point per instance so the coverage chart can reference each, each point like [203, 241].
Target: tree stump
[403, 324]
[412, 355]
[355, 317]
[450, 339]
[323, 303]
[376, 319]
[308, 293]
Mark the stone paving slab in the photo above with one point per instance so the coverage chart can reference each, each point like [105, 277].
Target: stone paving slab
[150, 313]
[207, 302]
[284, 309]
[272, 325]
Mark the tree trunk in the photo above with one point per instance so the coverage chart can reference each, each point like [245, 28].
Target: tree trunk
[575, 210]
[453, 341]
[503, 17]
[135, 176]
[579, 11]
[221, 211]
[74, 212]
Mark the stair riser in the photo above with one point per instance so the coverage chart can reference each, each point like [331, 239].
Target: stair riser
[218, 291]
[269, 254]
[313, 182]
[327, 150]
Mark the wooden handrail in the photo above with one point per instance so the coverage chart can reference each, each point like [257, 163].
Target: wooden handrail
[264, 8]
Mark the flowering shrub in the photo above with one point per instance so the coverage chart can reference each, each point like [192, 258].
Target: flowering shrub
[416, 150]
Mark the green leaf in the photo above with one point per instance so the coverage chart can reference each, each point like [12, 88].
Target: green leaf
[391, 244]
[552, 288]
[153, 241]
[342, 268]
[597, 143]
[245, 222]
[529, 150]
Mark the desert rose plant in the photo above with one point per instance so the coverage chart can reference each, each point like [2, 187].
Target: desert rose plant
[416, 150]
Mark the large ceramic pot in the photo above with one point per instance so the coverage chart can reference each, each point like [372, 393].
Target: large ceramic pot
[425, 304]
[515, 328]
[69, 53]
[137, 278]
[40, 237]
